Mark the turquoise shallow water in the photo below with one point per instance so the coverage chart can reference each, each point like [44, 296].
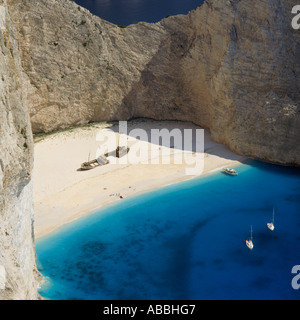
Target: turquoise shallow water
[184, 241]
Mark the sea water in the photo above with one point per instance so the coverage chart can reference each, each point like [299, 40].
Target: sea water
[184, 241]
[125, 12]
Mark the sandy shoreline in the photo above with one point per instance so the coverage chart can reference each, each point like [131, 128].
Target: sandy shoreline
[62, 193]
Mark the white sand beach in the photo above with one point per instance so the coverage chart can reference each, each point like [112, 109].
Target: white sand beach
[63, 193]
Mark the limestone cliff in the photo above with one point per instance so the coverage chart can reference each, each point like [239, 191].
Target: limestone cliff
[17, 257]
[230, 66]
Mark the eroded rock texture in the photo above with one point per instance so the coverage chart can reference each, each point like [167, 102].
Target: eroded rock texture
[230, 66]
[17, 256]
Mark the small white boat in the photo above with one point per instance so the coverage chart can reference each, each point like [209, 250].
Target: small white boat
[271, 224]
[249, 243]
[230, 171]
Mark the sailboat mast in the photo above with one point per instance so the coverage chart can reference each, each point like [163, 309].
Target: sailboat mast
[251, 233]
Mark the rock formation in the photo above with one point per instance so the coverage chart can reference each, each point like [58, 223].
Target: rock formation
[17, 256]
[230, 66]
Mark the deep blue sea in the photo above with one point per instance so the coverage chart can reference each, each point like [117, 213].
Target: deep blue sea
[125, 12]
[184, 241]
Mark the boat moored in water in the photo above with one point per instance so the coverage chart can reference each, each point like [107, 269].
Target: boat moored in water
[249, 242]
[271, 224]
[230, 171]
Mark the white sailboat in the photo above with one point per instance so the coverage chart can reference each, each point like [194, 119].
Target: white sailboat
[249, 243]
[271, 224]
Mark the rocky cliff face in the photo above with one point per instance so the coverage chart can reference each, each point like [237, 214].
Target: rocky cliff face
[17, 257]
[254, 77]
[230, 66]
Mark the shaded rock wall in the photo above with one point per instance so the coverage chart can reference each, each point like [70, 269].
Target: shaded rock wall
[230, 66]
[17, 256]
